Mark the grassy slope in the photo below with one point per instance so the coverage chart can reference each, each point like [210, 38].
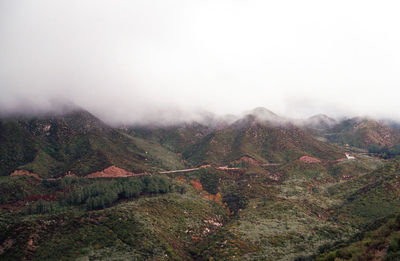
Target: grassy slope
[157, 154]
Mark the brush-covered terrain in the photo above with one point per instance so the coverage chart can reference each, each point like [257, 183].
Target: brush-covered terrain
[76, 142]
[258, 188]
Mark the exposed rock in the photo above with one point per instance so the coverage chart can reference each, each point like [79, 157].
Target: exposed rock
[113, 172]
[308, 159]
[22, 172]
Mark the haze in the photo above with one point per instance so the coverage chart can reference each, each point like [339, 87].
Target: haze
[133, 61]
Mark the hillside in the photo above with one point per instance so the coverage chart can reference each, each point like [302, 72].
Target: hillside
[76, 142]
[263, 141]
[361, 132]
[159, 223]
[176, 138]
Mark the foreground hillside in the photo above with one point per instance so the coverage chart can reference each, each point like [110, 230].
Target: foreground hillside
[148, 218]
[275, 212]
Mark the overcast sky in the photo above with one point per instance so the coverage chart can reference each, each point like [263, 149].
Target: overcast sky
[133, 60]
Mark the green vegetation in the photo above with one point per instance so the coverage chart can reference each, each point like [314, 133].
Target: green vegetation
[17, 146]
[385, 152]
[259, 141]
[160, 223]
[268, 205]
[362, 133]
[102, 194]
[378, 241]
[76, 142]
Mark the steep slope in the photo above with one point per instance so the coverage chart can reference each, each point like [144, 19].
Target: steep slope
[264, 141]
[51, 145]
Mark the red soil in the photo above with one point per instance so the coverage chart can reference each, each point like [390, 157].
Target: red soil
[197, 185]
[22, 172]
[248, 160]
[308, 159]
[113, 172]
[180, 179]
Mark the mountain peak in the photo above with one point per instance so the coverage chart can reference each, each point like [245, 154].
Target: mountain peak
[263, 114]
[320, 121]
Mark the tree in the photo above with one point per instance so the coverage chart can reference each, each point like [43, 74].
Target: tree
[235, 201]
[373, 148]
[243, 164]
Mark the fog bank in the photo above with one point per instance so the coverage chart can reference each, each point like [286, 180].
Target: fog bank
[143, 61]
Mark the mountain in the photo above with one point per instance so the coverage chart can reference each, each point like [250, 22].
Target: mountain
[176, 138]
[264, 115]
[271, 140]
[76, 141]
[319, 122]
[361, 132]
[260, 135]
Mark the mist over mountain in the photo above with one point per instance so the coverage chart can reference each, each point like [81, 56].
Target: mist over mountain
[147, 62]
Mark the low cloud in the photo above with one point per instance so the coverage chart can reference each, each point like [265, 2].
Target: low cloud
[164, 61]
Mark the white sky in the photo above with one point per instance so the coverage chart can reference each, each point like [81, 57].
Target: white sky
[131, 60]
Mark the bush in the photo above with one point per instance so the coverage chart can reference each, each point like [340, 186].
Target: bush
[394, 244]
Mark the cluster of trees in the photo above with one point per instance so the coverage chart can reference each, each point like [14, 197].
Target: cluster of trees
[236, 201]
[100, 194]
[384, 151]
[209, 179]
[41, 206]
